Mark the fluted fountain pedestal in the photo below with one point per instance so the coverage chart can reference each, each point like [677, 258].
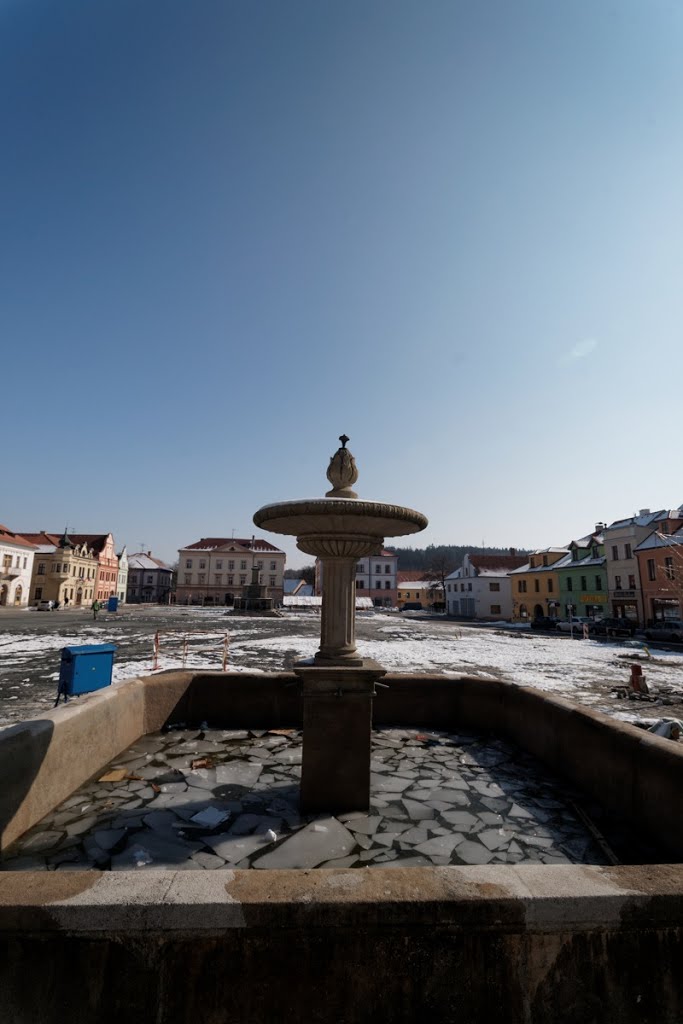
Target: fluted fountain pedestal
[338, 685]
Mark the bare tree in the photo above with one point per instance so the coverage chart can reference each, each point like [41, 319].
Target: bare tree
[441, 566]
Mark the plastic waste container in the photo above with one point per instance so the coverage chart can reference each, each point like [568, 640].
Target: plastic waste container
[84, 669]
[112, 604]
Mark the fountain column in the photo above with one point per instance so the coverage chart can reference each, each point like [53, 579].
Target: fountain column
[337, 685]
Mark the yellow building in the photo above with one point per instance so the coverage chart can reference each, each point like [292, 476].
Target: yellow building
[536, 586]
[418, 595]
[63, 571]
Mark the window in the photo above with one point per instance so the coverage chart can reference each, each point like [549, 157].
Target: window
[570, 583]
[615, 553]
[378, 568]
[495, 609]
[537, 586]
[231, 565]
[583, 583]
[273, 566]
[617, 582]
[598, 582]
[188, 563]
[631, 583]
[243, 580]
[39, 593]
[219, 564]
[387, 568]
[202, 563]
[545, 559]
[387, 584]
[449, 588]
[521, 587]
[202, 577]
[231, 580]
[150, 579]
[532, 565]
[243, 564]
[669, 568]
[627, 551]
[462, 587]
[259, 565]
[25, 562]
[594, 553]
[550, 586]
[271, 581]
[494, 586]
[218, 579]
[41, 568]
[360, 584]
[651, 571]
[469, 586]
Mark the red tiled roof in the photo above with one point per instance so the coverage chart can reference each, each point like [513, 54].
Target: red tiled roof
[14, 538]
[208, 543]
[96, 541]
[42, 538]
[498, 561]
[410, 575]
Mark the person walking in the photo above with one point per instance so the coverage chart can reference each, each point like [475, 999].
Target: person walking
[95, 608]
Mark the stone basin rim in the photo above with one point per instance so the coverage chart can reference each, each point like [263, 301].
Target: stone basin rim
[322, 509]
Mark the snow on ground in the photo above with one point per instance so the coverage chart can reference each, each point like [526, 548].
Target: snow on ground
[582, 670]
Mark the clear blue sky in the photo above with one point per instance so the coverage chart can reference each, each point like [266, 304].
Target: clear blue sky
[233, 230]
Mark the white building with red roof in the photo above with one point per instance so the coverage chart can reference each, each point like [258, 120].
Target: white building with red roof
[481, 587]
[16, 566]
[215, 570]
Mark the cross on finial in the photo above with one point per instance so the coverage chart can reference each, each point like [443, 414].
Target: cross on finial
[343, 438]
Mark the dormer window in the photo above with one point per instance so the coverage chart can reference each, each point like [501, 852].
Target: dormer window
[545, 559]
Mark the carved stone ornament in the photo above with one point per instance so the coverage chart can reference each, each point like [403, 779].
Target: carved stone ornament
[342, 472]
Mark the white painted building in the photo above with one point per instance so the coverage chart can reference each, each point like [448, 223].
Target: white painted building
[122, 577]
[481, 588]
[16, 566]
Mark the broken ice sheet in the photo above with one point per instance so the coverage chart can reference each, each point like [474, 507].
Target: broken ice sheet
[210, 816]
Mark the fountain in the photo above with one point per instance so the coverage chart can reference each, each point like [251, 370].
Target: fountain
[337, 685]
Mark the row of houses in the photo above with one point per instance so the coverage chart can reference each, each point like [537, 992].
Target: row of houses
[632, 568]
[76, 569]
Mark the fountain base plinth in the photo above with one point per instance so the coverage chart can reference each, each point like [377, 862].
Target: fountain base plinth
[337, 725]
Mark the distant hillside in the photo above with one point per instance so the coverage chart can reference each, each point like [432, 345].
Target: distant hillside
[440, 554]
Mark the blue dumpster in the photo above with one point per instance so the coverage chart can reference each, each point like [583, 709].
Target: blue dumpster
[84, 669]
[112, 604]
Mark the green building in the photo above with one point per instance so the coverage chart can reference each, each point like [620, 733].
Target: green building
[582, 578]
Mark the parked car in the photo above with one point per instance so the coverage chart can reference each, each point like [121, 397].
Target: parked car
[544, 622]
[666, 629]
[619, 626]
[45, 606]
[576, 624]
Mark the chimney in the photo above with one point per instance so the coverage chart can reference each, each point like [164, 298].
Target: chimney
[149, 554]
[599, 527]
[644, 512]
[513, 551]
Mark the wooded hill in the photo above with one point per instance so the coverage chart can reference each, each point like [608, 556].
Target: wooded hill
[444, 554]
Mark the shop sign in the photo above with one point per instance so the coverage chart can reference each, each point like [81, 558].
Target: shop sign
[593, 599]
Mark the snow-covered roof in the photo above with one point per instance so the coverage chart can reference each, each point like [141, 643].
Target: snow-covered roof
[143, 560]
[418, 585]
[648, 518]
[661, 540]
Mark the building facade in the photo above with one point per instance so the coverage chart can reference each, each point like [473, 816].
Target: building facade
[122, 576]
[102, 544]
[216, 570]
[418, 595]
[660, 559]
[624, 581]
[149, 579]
[481, 588]
[64, 571]
[582, 577]
[535, 586]
[16, 568]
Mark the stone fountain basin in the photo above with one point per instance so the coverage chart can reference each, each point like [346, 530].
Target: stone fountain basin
[344, 518]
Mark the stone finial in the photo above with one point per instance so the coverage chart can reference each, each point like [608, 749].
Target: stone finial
[342, 472]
